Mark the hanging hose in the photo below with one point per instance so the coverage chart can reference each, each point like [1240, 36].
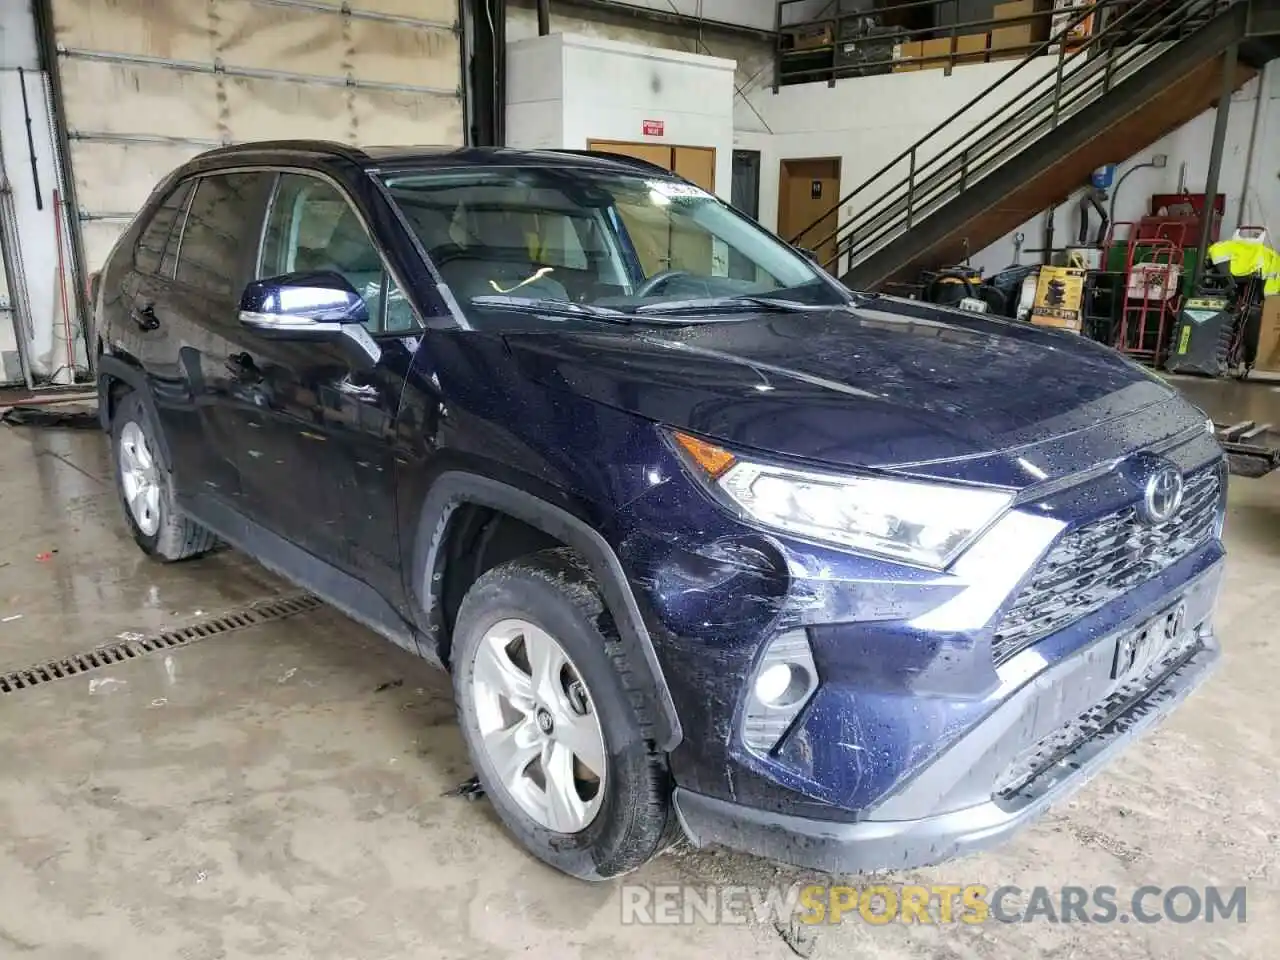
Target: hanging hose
[1115, 191]
[1104, 221]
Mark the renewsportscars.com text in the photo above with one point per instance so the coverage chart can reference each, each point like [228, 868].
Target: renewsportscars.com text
[879, 904]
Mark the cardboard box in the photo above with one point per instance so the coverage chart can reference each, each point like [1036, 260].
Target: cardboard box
[812, 37]
[1268, 358]
[1059, 298]
[1021, 35]
[969, 48]
[909, 52]
[974, 46]
[1022, 8]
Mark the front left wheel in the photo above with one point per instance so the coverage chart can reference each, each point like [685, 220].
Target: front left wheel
[554, 720]
[145, 489]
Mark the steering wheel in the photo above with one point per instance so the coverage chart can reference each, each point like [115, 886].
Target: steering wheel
[650, 286]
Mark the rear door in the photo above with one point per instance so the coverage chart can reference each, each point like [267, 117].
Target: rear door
[144, 315]
[214, 261]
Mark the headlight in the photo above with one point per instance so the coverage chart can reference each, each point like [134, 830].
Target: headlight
[922, 523]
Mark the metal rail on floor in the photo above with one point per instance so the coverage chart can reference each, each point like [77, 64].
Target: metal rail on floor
[1249, 454]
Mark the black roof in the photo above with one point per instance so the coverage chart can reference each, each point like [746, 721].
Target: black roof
[402, 157]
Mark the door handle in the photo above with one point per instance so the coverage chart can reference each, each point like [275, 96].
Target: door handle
[144, 315]
[242, 368]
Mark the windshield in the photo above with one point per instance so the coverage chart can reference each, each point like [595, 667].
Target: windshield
[612, 246]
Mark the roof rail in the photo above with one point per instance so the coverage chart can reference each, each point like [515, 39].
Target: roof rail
[621, 158]
[298, 146]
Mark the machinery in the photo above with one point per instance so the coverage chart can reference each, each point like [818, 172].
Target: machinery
[1207, 339]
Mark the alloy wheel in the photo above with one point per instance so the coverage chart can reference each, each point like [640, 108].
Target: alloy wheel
[140, 478]
[538, 726]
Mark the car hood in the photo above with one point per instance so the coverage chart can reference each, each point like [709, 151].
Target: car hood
[885, 384]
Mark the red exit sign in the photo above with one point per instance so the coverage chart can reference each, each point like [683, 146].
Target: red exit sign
[653, 128]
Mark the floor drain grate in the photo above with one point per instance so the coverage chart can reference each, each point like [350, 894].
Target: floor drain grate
[264, 611]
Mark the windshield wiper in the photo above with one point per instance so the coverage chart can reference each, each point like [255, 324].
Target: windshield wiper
[551, 306]
[734, 304]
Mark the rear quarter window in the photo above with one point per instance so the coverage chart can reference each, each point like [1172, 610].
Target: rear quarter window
[222, 230]
[156, 249]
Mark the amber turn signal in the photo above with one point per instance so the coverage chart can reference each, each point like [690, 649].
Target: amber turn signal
[708, 456]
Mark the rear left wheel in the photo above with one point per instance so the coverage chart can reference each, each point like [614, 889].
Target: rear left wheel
[146, 492]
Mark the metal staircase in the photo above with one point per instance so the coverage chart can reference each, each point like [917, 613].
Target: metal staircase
[1055, 116]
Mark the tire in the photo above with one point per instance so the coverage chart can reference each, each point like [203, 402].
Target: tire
[554, 592]
[162, 531]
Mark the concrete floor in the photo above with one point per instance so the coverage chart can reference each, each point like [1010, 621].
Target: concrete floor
[257, 794]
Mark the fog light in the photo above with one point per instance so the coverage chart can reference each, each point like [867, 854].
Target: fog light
[782, 684]
[785, 680]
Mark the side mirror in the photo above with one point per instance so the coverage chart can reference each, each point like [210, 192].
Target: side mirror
[302, 306]
[808, 255]
[317, 306]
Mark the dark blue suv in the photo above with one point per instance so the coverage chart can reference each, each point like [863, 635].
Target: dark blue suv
[708, 543]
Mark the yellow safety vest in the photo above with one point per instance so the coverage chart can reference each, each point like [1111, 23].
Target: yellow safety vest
[1249, 258]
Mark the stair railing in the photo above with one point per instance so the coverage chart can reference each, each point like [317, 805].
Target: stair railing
[1084, 72]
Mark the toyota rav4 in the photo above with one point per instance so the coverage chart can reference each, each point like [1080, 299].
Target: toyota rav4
[708, 543]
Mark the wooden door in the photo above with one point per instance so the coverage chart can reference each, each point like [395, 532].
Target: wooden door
[651, 236]
[660, 244]
[697, 165]
[809, 189]
[657, 153]
[692, 249]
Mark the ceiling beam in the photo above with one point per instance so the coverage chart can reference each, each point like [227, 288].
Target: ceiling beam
[627, 11]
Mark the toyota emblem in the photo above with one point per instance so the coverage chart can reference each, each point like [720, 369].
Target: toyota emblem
[1163, 495]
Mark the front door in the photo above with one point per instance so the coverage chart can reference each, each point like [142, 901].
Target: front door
[319, 456]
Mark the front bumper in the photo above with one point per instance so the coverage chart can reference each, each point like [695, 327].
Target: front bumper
[1044, 741]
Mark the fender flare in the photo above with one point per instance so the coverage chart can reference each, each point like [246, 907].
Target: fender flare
[455, 488]
[115, 368]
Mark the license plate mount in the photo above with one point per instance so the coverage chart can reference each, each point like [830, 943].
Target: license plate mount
[1140, 649]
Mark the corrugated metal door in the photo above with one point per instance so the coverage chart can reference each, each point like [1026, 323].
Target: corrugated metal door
[147, 84]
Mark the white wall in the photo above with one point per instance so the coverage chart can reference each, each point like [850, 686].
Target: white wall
[535, 93]
[754, 58]
[865, 121]
[1188, 144]
[564, 90]
[49, 285]
[17, 49]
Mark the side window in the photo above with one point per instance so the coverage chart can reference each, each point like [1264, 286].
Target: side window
[400, 317]
[312, 226]
[222, 223]
[158, 242]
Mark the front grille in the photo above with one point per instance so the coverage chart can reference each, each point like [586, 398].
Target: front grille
[1093, 564]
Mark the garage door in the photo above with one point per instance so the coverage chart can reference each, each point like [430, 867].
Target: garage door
[147, 84]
